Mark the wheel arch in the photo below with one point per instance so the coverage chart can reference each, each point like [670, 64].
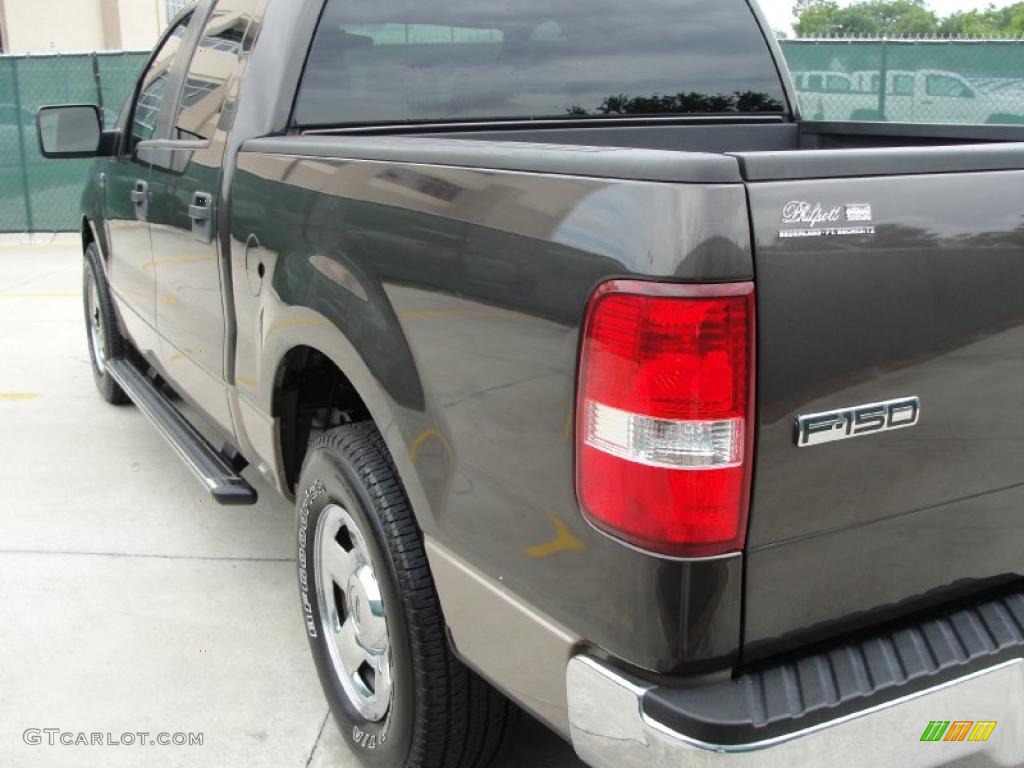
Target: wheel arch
[310, 393]
[320, 375]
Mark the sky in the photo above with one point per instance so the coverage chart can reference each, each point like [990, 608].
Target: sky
[780, 12]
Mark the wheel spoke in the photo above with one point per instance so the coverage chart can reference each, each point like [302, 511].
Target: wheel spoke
[352, 654]
[376, 635]
[381, 663]
[339, 563]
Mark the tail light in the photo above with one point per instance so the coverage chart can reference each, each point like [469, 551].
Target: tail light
[665, 415]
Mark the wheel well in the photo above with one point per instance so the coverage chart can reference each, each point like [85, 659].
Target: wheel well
[311, 395]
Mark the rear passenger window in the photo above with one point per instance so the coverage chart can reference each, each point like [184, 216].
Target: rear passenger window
[398, 61]
[903, 85]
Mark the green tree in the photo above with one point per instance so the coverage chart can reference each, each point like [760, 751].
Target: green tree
[990, 22]
[871, 18]
[815, 17]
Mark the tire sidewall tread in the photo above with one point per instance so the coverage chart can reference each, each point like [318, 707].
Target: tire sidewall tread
[443, 715]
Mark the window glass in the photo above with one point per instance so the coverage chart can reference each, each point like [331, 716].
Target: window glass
[407, 60]
[216, 56]
[154, 85]
[903, 85]
[838, 84]
[941, 85]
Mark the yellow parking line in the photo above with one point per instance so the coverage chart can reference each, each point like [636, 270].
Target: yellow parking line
[10, 396]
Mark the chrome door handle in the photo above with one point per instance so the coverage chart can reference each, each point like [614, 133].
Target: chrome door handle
[140, 196]
[201, 214]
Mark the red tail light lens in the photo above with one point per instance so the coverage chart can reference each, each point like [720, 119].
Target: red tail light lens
[664, 416]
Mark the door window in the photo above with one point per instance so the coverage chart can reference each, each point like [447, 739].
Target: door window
[941, 85]
[154, 85]
[903, 85]
[838, 84]
[206, 84]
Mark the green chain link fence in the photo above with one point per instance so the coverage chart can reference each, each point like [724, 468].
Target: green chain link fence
[909, 81]
[925, 81]
[39, 195]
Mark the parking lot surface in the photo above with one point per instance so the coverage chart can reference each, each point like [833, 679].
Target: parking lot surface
[132, 604]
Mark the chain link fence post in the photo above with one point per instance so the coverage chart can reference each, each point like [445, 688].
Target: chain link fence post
[883, 81]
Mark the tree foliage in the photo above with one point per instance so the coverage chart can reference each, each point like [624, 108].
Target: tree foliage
[991, 22]
[895, 18]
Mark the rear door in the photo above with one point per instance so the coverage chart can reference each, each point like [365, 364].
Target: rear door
[873, 290]
[186, 211]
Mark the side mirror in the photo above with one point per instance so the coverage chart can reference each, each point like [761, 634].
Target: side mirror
[71, 131]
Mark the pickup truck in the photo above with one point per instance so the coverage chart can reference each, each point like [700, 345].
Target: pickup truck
[921, 96]
[605, 386]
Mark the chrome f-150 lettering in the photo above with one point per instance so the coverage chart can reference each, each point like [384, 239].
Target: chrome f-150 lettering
[861, 420]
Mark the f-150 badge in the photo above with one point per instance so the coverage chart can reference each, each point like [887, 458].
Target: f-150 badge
[858, 421]
[817, 220]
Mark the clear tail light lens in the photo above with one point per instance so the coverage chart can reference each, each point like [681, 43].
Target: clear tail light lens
[665, 415]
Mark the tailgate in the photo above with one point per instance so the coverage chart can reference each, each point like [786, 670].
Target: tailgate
[870, 290]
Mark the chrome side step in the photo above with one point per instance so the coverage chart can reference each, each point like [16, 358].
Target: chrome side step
[208, 464]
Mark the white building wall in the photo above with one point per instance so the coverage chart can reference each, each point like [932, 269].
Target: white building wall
[141, 23]
[66, 26]
[35, 26]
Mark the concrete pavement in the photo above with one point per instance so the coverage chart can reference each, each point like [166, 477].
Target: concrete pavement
[130, 603]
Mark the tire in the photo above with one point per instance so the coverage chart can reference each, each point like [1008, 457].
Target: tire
[439, 714]
[1005, 119]
[868, 115]
[101, 328]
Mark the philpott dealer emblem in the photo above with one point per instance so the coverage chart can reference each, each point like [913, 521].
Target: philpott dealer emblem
[817, 220]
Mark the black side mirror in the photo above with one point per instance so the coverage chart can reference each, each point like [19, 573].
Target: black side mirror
[71, 131]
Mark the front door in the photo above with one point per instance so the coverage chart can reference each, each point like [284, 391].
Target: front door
[185, 212]
[130, 272]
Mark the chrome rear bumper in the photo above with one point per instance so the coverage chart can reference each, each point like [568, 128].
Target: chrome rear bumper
[610, 730]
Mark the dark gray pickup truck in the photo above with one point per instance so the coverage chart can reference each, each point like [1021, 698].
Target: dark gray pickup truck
[605, 386]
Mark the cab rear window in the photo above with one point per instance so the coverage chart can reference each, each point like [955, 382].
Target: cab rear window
[397, 61]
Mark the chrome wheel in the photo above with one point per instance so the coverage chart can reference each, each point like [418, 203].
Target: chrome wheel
[352, 614]
[94, 317]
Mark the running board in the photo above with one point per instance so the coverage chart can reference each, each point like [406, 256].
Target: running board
[208, 464]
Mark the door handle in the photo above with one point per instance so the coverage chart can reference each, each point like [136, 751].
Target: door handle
[201, 214]
[140, 196]
[141, 192]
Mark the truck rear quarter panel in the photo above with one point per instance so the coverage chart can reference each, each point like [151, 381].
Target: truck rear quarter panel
[452, 298]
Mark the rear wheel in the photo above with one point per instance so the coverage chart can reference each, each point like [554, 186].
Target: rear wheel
[373, 619]
[105, 342]
[1005, 119]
